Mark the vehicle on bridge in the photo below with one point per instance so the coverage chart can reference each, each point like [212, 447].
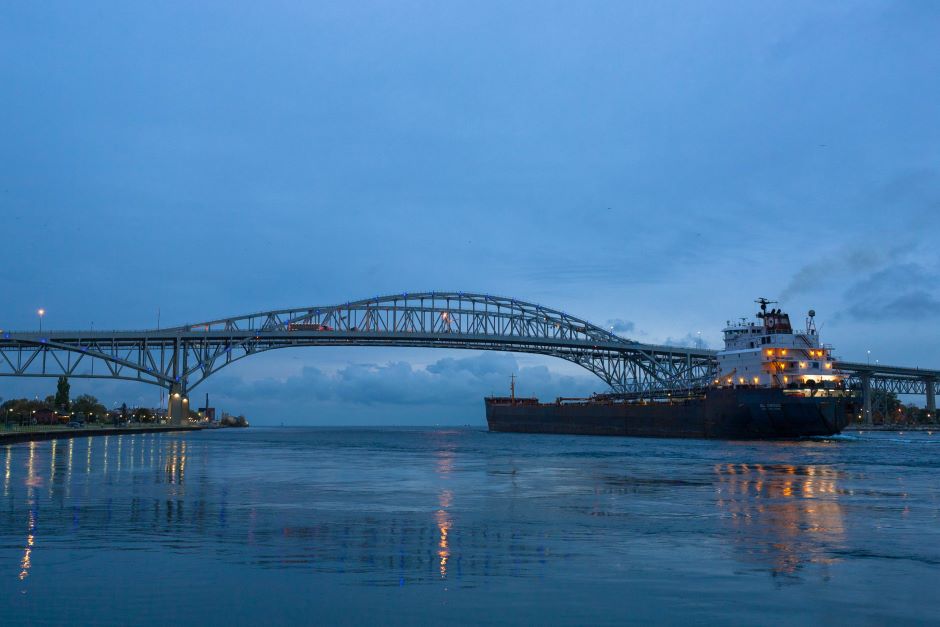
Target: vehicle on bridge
[306, 326]
[771, 382]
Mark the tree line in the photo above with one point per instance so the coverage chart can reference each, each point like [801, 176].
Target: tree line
[22, 410]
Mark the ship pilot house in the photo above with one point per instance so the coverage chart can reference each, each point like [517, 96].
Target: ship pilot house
[769, 353]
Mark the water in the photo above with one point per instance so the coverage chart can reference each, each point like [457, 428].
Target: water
[404, 526]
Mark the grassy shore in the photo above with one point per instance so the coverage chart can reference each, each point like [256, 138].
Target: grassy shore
[28, 433]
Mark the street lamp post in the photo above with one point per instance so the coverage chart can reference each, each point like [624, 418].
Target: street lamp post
[41, 312]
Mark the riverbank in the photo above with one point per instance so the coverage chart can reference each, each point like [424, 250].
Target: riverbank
[55, 433]
[860, 428]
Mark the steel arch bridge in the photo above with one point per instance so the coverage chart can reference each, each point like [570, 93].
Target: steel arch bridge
[180, 358]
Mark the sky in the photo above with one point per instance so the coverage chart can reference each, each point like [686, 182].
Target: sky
[652, 166]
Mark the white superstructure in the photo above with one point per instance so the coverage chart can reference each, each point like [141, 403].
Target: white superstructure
[769, 353]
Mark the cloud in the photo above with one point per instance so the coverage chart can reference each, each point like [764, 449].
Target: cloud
[897, 292]
[399, 391]
[832, 269]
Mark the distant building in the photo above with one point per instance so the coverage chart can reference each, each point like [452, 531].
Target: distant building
[45, 417]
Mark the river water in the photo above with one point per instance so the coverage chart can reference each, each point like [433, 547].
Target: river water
[420, 526]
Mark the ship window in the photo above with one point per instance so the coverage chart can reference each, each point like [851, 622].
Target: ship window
[752, 344]
[815, 364]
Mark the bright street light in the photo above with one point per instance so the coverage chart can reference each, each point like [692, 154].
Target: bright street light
[41, 312]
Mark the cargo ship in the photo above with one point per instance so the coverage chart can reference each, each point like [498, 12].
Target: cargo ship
[770, 382]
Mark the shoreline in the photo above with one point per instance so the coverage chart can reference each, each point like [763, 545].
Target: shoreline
[892, 428]
[17, 437]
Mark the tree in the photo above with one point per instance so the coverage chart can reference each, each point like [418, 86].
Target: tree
[89, 405]
[62, 394]
[887, 405]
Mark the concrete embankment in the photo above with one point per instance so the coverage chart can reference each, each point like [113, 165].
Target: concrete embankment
[12, 437]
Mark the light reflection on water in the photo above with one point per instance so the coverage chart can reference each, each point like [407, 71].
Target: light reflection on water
[466, 510]
[444, 466]
[6, 473]
[794, 509]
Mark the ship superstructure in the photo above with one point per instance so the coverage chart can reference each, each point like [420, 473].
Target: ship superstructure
[770, 353]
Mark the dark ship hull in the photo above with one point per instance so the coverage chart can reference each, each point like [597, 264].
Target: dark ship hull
[726, 413]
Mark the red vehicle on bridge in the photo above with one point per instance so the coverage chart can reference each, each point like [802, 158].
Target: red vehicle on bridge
[308, 326]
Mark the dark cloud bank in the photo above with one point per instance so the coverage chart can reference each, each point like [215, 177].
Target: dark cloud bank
[903, 291]
[448, 391]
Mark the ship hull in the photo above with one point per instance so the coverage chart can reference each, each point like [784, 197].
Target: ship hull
[726, 413]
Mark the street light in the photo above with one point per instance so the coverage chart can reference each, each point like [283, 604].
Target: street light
[41, 312]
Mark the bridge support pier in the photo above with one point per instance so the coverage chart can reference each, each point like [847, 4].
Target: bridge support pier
[931, 400]
[178, 405]
[866, 400]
